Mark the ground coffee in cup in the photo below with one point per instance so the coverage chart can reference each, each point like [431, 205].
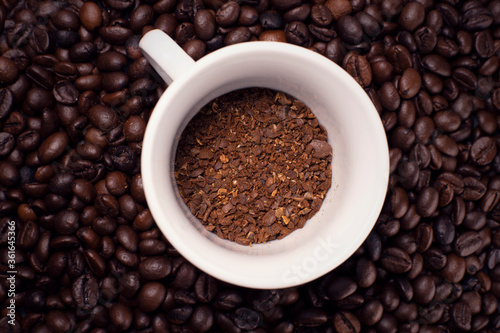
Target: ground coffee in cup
[253, 165]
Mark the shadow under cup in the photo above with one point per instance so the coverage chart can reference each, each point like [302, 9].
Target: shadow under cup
[352, 204]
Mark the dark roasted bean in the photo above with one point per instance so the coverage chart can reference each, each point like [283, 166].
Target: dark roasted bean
[426, 39]
[357, 65]
[53, 147]
[483, 151]
[467, 243]
[308, 317]
[349, 29]
[396, 260]
[8, 72]
[297, 33]
[412, 16]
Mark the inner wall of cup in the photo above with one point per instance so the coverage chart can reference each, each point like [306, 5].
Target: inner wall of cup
[307, 87]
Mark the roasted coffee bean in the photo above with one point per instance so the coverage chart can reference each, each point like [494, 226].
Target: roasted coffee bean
[454, 270]
[299, 13]
[399, 57]
[111, 61]
[204, 24]
[426, 39]
[89, 82]
[28, 141]
[446, 47]
[273, 36]
[335, 50]
[402, 137]
[120, 316]
[7, 143]
[483, 43]
[9, 72]
[184, 32]
[66, 222]
[141, 16]
[114, 81]
[201, 319]
[460, 316]
[447, 121]
[427, 202]
[271, 19]
[477, 19]
[349, 29]
[339, 8]
[409, 83]
[228, 299]
[370, 25]
[53, 147]
[155, 268]
[396, 260]
[144, 86]
[412, 16]
[14, 125]
[399, 202]
[90, 16]
[371, 312]
[340, 288]
[357, 65]
[473, 189]
[424, 289]
[29, 235]
[238, 35]
[490, 200]
[297, 33]
[366, 273]
[437, 64]
[382, 71]
[82, 51]
[115, 34]
[102, 117]
[321, 15]
[468, 243]
[483, 151]
[127, 258]
[421, 155]
[446, 145]
[346, 322]
[152, 247]
[409, 173]
[424, 237]
[85, 292]
[309, 317]
[389, 96]
[65, 19]
[465, 78]
[65, 92]
[323, 34]
[89, 238]
[227, 14]
[248, 15]
[151, 296]
[205, 288]
[6, 102]
[40, 76]
[57, 321]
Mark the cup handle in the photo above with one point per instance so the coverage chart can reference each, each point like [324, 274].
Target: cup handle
[165, 55]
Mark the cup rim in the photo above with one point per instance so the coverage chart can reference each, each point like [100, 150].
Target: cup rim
[182, 245]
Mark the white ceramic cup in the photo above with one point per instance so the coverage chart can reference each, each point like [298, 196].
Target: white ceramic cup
[360, 163]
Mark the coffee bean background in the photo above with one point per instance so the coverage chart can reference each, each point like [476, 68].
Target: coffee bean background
[76, 94]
